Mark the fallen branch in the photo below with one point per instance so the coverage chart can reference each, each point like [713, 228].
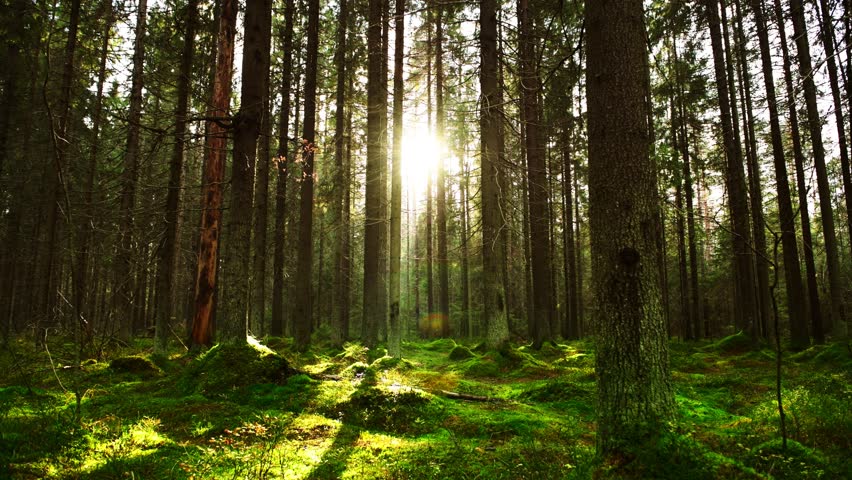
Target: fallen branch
[466, 396]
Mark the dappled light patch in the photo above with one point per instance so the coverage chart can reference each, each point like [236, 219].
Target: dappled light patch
[380, 417]
[796, 461]
[399, 410]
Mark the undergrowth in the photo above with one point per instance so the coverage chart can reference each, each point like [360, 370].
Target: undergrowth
[267, 412]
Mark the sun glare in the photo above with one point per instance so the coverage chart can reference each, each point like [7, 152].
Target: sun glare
[420, 152]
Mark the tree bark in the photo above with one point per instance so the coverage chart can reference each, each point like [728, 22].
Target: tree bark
[835, 288]
[214, 172]
[124, 265]
[337, 333]
[283, 168]
[441, 201]
[792, 269]
[634, 391]
[541, 318]
[376, 154]
[303, 308]
[394, 328]
[738, 203]
[168, 265]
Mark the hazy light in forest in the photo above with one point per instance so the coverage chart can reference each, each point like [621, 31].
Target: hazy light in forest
[420, 151]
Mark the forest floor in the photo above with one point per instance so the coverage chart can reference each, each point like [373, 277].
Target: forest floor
[246, 412]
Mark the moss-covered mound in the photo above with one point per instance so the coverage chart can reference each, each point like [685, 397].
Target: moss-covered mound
[557, 391]
[392, 409]
[732, 344]
[136, 365]
[228, 367]
[795, 462]
[460, 352]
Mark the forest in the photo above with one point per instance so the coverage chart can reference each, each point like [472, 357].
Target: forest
[425, 239]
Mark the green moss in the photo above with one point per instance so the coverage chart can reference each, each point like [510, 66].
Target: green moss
[795, 462]
[732, 344]
[228, 367]
[440, 345]
[460, 352]
[136, 365]
[396, 409]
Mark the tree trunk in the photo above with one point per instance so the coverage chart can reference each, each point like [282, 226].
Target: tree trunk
[168, 253]
[376, 154]
[632, 350]
[827, 28]
[753, 169]
[541, 318]
[738, 203]
[233, 326]
[257, 319]
[124, 263]
[303, 308]
[441, 202]
[838, 319]
[394, 330]
[799, 160]
[341, 180]
[214, 172]
[283, 167]
[792, 268]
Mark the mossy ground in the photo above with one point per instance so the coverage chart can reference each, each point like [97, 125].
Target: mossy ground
[359, 414]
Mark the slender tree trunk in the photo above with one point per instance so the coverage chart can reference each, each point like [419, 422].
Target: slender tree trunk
[124, 264]
[337, 333]
[441, 201]
[753, 168]
[799, 161]
[537, 188]
[464, 323]
[82, 290]
[838, 319]
[744, 270]
[303, 308]
[632, 350]
[51, 262]
[214, 173]
[283, 167]
[395, 330]
[572, 332]
[827, 29]
[257, 319]
[168, 265]
[792, 268]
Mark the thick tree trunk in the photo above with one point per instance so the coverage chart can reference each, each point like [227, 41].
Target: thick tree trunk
[376, 154]
[634, 391]
[792, 268]
[233, 326]
[303, 308]
[214, 173]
